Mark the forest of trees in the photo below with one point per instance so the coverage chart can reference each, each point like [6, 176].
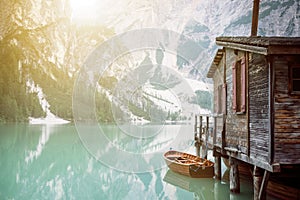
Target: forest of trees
[16, 104]
[204, 99]
[42, 46]
[50, 55]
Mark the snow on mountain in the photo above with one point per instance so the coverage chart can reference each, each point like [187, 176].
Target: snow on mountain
[50, 117]
[165, 99]
[199, 85]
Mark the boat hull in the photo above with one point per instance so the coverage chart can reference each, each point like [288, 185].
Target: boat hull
[189, 165]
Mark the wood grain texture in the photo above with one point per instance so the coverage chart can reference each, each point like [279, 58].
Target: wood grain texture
[287, 114]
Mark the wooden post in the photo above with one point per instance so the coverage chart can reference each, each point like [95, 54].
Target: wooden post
[200, 127]
[223, 138]
[206, 137]
[257, 179]
[195, 128]
[264, 184]
[200, 137]
[197, 145]
[215, 131]
[197, 132]
[260, 183]
[204, 151]
[218, 167]
[234, 176]
[255, 14]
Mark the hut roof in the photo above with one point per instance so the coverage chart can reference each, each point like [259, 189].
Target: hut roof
[261, 41]
[260, 45]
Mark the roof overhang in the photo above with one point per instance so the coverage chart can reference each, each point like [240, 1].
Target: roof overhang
[259, 45]
[262, 45]
[215, 63]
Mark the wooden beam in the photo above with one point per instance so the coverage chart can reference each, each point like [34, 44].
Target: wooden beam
[284, 49]
[264, 184]
[243, 47]
[224, 68]
[235, 153]
[257, 180]
[247, 103]
[271, 108]
[255, 14]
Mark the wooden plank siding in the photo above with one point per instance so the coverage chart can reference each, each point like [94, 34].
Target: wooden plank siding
[267, 133]
[287, 114]
[259, 107]
[236, 124]
[218, 78]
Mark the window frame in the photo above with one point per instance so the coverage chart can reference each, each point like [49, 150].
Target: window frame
[239, 86]
[292, 79]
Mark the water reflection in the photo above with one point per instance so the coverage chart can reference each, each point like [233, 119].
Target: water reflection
[59, 167]
[203, 188]
[135, 155]
[164, 139]
[45, 135]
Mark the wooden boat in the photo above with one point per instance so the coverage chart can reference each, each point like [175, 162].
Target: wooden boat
[189, 165]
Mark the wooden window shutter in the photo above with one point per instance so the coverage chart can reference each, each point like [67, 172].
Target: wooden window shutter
[224, 98]
[234, 97]
[243, 85]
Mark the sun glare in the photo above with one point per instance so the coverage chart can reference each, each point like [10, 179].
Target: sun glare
[84, 9]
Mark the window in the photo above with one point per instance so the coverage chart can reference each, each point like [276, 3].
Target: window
[239, 86]
[294, 83]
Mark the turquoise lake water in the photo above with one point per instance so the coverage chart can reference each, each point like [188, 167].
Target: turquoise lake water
[55, 162]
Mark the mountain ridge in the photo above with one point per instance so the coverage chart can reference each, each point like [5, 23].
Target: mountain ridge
[40, 41]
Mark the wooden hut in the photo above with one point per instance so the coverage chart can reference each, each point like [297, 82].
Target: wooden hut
[256, 105]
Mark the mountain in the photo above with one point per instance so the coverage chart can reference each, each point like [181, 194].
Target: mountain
[41, 44]
[202, 21]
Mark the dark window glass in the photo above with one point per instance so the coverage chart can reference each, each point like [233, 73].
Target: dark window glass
[296, 85]
[296, 73]
[294, 79]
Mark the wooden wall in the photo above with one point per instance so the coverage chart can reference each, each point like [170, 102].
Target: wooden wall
[259, 123]
[252, 132]
[236, 124]
[287, 114]
[218, 80]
